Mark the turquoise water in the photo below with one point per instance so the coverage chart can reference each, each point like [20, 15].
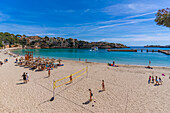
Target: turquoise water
[102, 56]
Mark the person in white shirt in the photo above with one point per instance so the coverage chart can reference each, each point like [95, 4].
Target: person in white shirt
[27, 77]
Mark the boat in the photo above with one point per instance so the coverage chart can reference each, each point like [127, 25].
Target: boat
[94, 49]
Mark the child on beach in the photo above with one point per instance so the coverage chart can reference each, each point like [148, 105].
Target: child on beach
[5, 60]
[149, 80]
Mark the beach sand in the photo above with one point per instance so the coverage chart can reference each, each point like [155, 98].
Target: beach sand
[127, 89]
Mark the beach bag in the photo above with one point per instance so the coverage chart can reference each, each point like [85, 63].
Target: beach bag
[91, 94]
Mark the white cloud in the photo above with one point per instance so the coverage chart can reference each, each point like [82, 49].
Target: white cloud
[87, 10]
[141, 7]
[131, 22]
[64, 11]
[132, 8]
[49, 34]
[137, 38]
[141, 15]
[46, 34]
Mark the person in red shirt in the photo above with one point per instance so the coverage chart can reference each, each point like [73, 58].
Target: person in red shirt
[49, 73]
[71, 79]
[103, 87]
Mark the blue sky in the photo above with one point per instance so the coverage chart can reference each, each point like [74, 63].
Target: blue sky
[130, 22]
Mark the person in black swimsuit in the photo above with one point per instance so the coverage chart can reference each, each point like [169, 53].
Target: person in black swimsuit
[24, 77]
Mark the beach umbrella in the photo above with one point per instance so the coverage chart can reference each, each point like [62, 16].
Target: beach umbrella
[53, 59]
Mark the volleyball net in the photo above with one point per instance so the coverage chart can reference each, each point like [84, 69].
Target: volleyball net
[76, 75]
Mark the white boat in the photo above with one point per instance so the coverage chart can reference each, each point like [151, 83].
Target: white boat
[94, 49]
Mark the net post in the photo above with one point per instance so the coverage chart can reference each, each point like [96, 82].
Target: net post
[53, 91]
[53, 88]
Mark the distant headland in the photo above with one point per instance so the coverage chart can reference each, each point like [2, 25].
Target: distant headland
[8, 40]
[158, 46]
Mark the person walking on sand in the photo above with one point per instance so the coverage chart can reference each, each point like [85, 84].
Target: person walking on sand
[49, 73]
[152, 79]
[157, 80]
[91, 94]
[24, 77]
[160, 81]
[103, 87]
[149, 80]
[27, 77]
[71, 79]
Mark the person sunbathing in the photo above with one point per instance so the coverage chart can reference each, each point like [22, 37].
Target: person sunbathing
[148, 67]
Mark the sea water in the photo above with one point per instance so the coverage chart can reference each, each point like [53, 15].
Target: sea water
[103, 56]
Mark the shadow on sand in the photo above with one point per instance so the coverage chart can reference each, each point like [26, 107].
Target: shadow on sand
[47, 101]
[68, 83]
[44, 102]
[87, 102]
[100, 91]
[26, 67]
[20, 83]
[156, 84]
[38, 70]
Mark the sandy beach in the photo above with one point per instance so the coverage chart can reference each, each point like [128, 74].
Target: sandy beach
[127, 89]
